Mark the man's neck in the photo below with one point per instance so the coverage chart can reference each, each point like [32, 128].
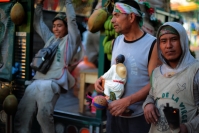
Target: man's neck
[134, 34]
[173, 65]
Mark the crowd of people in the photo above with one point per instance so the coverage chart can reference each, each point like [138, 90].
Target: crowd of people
[159, 70]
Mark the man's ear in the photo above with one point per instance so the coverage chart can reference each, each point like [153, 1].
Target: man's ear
[132, 17]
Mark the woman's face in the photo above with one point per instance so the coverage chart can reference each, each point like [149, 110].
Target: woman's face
[59, 29]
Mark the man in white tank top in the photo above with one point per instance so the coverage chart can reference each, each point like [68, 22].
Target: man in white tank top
[135, 45]
[174, 83]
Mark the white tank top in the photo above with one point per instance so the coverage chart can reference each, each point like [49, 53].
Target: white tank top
[136, 61]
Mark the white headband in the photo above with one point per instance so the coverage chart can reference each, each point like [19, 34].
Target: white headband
[124, 8]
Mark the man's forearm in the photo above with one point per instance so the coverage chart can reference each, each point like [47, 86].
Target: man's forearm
[140, 95]
[148, 100]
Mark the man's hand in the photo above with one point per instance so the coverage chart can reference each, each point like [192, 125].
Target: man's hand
[40, 2]
[117, 107]
[151, 113]
[98, 85]
[183, 129]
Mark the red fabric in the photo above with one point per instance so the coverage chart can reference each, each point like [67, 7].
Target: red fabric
[121, 82]
[53, 4]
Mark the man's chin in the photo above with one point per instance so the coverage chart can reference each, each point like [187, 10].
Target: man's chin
[172, 60]
[117, 31]
[57, 36]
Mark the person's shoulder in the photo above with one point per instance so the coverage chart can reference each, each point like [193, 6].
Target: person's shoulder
[195, 64]
[149, 35]
[157, 70]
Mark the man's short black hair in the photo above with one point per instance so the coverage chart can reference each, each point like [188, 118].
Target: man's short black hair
[131, 3]
[60, 16]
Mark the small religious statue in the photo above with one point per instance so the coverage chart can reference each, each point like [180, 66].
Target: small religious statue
[114, 79]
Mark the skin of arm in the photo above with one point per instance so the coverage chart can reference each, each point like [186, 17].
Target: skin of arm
[151, 113]
[117, 107]
[98, 85]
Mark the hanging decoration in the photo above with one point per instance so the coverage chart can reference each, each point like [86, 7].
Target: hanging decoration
[152, 19]
[17, 14]
[100, 20]
[10, 101]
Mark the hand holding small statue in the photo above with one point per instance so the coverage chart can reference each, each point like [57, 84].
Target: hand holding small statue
[112, 84]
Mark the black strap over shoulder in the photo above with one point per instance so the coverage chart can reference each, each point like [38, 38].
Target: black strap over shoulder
[44, 58]
[151, 50]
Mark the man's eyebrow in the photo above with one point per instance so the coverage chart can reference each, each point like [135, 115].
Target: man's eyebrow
[175, 37]
[57, 24]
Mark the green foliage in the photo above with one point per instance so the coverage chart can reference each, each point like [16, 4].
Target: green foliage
[112, 96]
[156, 23]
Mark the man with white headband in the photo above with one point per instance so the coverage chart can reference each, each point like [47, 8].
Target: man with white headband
[140, 51]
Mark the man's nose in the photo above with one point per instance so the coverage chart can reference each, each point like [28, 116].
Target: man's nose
[169, 44]
[112, 20]
[56, 27]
